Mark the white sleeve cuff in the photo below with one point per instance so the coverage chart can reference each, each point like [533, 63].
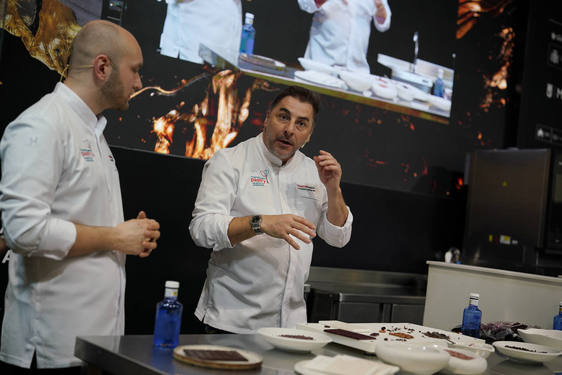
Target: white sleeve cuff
[58, 237]
[337, 236]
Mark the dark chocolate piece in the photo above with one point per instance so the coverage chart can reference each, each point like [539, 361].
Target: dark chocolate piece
[215, 355]
[350, 334]
[300, 337]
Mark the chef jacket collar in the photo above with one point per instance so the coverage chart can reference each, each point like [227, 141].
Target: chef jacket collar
[273, 159]
[97, 124]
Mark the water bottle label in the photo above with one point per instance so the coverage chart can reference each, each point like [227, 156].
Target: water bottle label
[171, 292]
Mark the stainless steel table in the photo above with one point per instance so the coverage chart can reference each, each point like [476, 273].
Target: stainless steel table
[135, 355]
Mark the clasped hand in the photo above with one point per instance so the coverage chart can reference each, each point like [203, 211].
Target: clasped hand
[138, 236]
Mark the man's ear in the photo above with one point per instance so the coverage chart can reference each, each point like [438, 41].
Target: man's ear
[267, 119]
[102, 67]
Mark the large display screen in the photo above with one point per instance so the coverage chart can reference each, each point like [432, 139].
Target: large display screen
[404, 60]
[407, 87]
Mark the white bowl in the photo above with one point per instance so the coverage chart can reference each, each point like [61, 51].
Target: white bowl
[548, 337]
[405, 92]
[526, 352]
[356, 81]
[308, 64]
[464, 362]
[423, 359]
[275, 337]
[481, 349]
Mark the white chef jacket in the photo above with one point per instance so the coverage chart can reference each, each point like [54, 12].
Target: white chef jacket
[339, 34]
[215, 23]
[58, 169]
[260, 281]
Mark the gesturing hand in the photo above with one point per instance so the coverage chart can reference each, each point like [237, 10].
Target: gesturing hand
[283, 226]
[329, 170]
[381, 11]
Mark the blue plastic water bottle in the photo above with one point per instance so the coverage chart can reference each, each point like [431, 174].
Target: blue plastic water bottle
[248, 35]
[471, 317]
[557, 324]
[439, 85]
[168, 318]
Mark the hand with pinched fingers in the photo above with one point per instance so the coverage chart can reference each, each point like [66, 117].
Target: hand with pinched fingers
[329, 170]
[287, 225]
[381, 11]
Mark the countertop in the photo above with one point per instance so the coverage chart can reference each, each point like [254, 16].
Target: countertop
[412, 108]
[496, 272]
[135, 355]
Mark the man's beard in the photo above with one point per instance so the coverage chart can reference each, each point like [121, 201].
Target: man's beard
[112, 92]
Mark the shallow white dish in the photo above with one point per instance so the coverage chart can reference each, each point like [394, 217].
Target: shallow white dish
[356, 81]
[481, 349]
[405, 91]
[548, 337]
[320, 78]
[273, 335]
[440, 103]
[539, 354]
[384, 88]
[317, 66]
[422, 359]
[464, 362]
[344, 365]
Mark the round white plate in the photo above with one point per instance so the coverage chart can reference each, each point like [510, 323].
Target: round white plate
[440, 103]
[384, 88]
[548, 337]
[481, 349]
[539, 354]
[422, 359]
[320, 78]
[274, 336]
[465, 362]
[253, 358]
[405, 91]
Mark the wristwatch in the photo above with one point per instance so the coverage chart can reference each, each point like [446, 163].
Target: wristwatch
[255, 223]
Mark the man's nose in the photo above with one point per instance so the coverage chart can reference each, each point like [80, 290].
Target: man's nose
[290, 128]
[138, 83]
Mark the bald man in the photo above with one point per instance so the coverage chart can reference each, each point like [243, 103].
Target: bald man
[62, 211]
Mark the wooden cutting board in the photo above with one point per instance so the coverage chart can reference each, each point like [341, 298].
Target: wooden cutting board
[200, 357]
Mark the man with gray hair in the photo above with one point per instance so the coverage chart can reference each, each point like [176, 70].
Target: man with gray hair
[62, 211]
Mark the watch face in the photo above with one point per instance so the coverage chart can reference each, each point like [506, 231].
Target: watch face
[255, 223]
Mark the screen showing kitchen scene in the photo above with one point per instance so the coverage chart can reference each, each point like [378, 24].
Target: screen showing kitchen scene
[386, 81]
[390, 54]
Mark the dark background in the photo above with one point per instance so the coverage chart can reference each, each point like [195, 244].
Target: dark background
[403, 216]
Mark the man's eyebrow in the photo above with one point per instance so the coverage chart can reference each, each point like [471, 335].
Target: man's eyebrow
[283, 109]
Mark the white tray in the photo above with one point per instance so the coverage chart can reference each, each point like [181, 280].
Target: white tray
[369, 346]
